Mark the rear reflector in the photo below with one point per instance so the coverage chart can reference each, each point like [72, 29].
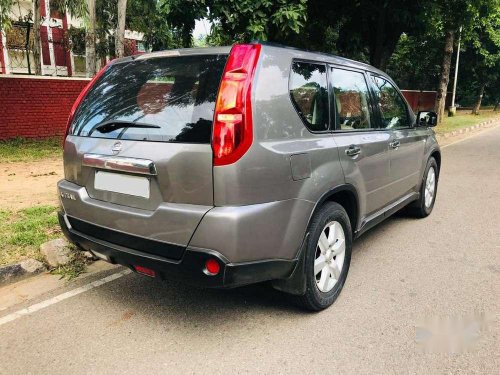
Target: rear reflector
[145, 271]
[232, 131]
[212, 267]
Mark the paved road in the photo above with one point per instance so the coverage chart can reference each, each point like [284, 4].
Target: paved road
[402, 272]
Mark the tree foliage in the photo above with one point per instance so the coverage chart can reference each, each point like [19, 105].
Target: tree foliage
[244, 20]
[5, 7]
[405, 37]
[480, 65]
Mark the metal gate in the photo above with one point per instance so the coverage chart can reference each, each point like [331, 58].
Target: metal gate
[19, 45]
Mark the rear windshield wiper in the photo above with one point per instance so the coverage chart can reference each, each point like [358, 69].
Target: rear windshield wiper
[109, 126]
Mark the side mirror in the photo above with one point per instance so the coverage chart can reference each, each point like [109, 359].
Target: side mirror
[427, 118]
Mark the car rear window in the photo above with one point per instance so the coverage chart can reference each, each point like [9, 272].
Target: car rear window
[169, 99]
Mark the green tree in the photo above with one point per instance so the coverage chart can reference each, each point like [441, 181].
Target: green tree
[181, 16]
[153, 18]
[5, 7]
[366, 28]
[482, 60]
[450, 15]
[232, 21]
[415, 63]
[244, 20]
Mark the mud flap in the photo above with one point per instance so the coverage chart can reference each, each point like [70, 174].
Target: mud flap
[296, 283]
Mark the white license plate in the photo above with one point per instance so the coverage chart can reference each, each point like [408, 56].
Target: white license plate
[122, 183]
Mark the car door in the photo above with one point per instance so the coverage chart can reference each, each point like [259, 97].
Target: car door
[363, 149]
[407, 142]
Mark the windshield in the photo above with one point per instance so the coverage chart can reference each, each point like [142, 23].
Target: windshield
[168, 99]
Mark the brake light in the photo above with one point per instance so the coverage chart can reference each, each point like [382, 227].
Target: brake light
[80, 98]
[232, 132]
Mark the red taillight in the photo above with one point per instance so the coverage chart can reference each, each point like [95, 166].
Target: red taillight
[212, 267]
[80, 97]
[145, 271]
[232, 131]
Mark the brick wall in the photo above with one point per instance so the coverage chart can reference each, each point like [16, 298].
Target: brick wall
[36, 107]
[423, 100]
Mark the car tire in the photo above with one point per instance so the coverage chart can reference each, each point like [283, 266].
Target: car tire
[423, 206]
[332, 224]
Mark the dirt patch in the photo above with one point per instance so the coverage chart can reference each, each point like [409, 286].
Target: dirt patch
[27, 184]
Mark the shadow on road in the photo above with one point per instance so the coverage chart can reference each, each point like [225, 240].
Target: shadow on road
[172, 300]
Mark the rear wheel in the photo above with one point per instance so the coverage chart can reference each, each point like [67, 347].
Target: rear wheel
[423, 206]
[327, 258]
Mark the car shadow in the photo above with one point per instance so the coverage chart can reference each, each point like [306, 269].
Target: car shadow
[174, 300]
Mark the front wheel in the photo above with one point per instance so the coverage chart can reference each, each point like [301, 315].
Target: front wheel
[327, 258]
[423, 206]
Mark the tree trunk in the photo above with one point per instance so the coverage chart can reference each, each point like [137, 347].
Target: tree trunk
[475, 111]
[90, 40]
[120, 28]
[37, 19]
[497, 103]
[445, 75]
[187, 36]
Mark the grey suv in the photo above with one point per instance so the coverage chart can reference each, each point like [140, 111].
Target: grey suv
[230, 166]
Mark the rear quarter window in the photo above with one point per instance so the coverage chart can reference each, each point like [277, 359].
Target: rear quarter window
[169, 99]
[309, 94]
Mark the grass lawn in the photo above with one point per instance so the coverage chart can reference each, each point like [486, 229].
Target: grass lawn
[464, 120]
[22, 232]
[25, 150]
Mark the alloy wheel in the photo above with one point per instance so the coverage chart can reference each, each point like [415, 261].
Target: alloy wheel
[430, 187]
[330, 254]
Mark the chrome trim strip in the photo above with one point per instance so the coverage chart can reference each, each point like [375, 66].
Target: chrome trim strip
[131, 165]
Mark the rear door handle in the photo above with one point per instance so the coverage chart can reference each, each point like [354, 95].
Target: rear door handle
[394, 144]
[353, 150]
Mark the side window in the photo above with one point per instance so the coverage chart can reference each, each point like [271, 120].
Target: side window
[351, 100]
[309, 93]
[392, 107]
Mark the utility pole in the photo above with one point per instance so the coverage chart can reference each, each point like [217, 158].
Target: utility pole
[453, 109]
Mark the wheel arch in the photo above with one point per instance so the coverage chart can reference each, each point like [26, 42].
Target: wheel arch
[347, 196]
[436, 154]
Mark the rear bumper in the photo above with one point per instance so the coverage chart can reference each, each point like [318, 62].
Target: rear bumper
[248, 233]
[188, 268]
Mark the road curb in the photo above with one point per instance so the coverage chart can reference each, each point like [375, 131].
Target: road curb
[13, 272]
[467, 129]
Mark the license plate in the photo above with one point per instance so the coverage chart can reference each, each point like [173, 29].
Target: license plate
[122, 183]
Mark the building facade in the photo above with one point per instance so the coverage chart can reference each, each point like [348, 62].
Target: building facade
[59, 56]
